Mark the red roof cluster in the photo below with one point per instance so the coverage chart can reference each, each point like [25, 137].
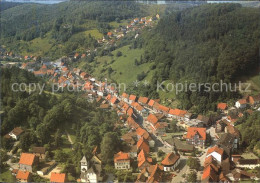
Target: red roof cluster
[177, 112]
[192, 131]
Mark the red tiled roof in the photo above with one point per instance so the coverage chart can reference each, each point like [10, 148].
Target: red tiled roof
[132, 97]
[151, 103]
[170, 159]
[109, 33]
[222, 106]
[242, 101]
[143, 144]
[134, 104]
[24, 175]
[253, 99]
[57, 177]
[120, 156]
[130, 111]
[125, 95]
[131, 122]
[142, 133]
[142, 158]
[83, 74]
[177, 112]
[164, 108]
[156, 106]
[143, 100]
[159, 125]
[108, 97]
[209, 173]
[194, 130]
[152, 119]
[83, 55]
[27, 159]
[17, 131]
[156, 174]
[138, 107]
[114, 100]
[125, 107]
[215, 149]
[208, 160]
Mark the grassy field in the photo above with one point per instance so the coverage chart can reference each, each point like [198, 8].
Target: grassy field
[95, 33]
[6, 176]
[124, 68]
[115, 24]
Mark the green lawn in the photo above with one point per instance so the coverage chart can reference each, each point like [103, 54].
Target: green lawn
[66, 146]
[169, 135]
[6, 176]
[124, 68]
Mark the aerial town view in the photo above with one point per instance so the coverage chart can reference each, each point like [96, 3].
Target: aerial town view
[130, 91]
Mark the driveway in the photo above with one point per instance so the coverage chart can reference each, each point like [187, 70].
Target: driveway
[213, 134]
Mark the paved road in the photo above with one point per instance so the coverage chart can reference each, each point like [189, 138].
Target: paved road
[184, 169]
[69, 138]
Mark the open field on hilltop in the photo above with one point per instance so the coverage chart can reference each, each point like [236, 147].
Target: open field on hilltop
[95, 33]
[115, 24]
[123, 67]
[38, 46]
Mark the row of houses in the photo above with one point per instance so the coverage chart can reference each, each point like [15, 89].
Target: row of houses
[27, 166]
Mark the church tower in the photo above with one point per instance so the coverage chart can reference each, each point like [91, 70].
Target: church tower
[84, 164]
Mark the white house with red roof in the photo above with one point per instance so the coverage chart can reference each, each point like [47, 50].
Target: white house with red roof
[241, 104]
[122, 161]
[27, 161]
[216, 152]
[196, 136]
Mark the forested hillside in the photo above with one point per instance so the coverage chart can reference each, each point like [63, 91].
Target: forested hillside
[7, 5]
[204, 44]
[56, 24]
[208, 43]
[46, 117]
